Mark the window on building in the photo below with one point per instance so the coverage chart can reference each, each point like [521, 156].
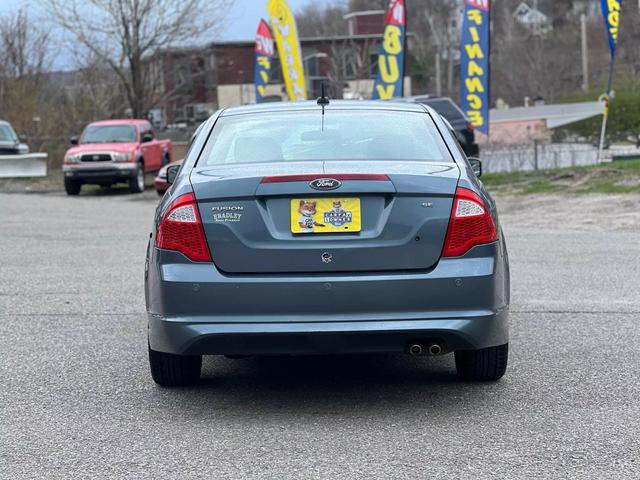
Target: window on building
[183, 80]
[276, 70]
[311, 62]
[349, 64]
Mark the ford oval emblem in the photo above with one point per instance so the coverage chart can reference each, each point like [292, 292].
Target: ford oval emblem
[325, 184]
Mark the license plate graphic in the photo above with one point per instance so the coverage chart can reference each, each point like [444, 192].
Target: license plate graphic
[325, 215]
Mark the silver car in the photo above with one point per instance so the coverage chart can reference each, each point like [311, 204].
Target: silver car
[315, 228]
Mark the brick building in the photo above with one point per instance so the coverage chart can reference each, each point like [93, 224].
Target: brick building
[192, 83]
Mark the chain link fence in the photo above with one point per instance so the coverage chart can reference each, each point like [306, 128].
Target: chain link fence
[538, 156]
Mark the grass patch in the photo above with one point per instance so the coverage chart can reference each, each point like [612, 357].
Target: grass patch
[616, 177]
[53, 181]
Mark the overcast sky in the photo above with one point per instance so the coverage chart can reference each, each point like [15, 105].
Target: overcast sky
[242, 20]
[241, 24]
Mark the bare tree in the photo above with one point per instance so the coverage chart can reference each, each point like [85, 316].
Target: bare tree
[23, 49]
[314, 20]
[356, 5]
[125, 33]
[24, 57]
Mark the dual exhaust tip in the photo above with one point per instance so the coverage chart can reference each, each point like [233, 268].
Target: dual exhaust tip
[418, 349]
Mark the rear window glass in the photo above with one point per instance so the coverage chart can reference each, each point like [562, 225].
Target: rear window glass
[444, 107]
[344, 135]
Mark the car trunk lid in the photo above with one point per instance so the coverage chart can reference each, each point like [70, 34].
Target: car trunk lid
[247, 215]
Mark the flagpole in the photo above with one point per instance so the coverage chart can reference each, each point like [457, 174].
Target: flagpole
[611, 14]
[605, 98]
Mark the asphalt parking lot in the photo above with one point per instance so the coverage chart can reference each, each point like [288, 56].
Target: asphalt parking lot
[77, 400]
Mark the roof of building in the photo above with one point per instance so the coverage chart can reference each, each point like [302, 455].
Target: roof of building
[329, 38]
[555, 115]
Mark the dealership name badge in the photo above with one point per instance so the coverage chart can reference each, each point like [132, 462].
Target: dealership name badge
[227, 213]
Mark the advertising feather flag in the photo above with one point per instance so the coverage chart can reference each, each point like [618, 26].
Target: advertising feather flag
[611, 14]
[264, 57]
[474, 63]
[288, 43]
[389, 82]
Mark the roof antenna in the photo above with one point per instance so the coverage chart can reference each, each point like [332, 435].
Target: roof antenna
[323, 101]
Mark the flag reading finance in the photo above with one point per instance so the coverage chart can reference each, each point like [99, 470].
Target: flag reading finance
[474, 63]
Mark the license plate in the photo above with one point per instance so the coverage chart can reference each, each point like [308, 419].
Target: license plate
[325, 215]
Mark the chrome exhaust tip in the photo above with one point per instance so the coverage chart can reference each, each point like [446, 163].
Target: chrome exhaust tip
[415, 350]
[434, 349]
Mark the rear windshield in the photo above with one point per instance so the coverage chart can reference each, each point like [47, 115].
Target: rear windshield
[444, 107]
[109, 134]
[344, 135]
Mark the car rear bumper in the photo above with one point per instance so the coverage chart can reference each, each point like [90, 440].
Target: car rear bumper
[109, 172]
[202, 336]
[462, 303]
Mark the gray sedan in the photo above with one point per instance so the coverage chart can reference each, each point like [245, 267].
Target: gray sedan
[310, 228]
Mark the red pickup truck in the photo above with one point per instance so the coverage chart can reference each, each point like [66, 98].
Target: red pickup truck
[114, 151]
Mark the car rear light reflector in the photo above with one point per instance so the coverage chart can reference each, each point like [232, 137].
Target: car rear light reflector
[470, 224]
[371, 177]
[467, 208]
[181, 230]
[186, 214]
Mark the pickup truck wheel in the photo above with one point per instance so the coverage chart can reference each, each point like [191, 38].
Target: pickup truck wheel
[484, 365]
[72, 187]
[136, 182]
[169, 370]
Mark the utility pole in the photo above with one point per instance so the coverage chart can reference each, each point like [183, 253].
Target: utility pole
[438, 74]
[438, 42]
[450, 69]
[585, 53]
[451, 46]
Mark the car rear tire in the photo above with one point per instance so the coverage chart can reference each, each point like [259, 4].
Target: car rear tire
[72, 187]
[169, 370]
[484, 365]
[136, 183]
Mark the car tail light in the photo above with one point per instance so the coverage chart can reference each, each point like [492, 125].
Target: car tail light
[181, 230]
[470, 224]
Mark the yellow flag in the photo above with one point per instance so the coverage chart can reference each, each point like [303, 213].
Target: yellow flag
[286, 35]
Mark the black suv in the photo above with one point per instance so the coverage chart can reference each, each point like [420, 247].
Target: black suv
[459, 121]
